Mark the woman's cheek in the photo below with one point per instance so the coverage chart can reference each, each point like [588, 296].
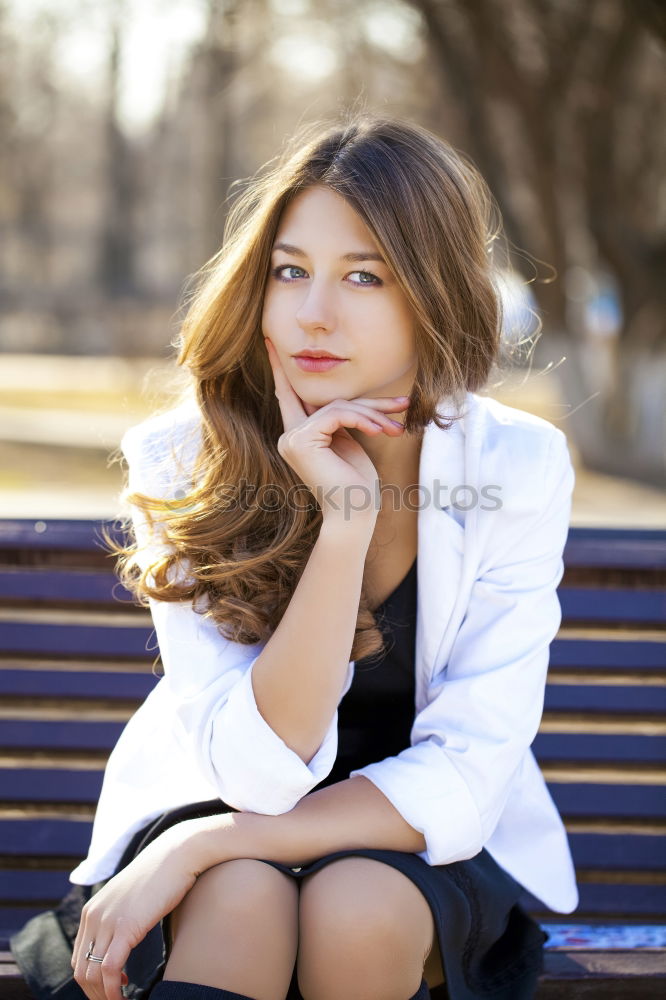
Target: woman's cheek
[271, 302]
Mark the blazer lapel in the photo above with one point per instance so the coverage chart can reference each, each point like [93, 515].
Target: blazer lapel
[446, 550]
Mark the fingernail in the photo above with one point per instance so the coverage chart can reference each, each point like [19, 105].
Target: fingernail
[402, 399]
[396, 423]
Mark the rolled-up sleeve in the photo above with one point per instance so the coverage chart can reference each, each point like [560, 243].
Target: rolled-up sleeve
[452, 783]
[209, 677]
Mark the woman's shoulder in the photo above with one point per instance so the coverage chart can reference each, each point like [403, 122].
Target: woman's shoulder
[524, 455]
[497, 414]
[511, 440]
[164, 446]
[521, 466]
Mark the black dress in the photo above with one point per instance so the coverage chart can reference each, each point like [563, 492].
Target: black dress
[490, 947]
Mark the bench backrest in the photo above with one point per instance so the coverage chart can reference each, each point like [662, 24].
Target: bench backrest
[76, 657]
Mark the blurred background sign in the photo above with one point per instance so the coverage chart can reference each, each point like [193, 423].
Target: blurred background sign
[123, 125]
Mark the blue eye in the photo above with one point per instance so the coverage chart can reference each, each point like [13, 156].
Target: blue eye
[277, 273]
[367, 274]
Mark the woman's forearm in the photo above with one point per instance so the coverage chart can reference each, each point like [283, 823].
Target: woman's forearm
[299, 676]
[349, 814]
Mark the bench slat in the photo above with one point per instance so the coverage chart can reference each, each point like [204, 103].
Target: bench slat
[612, 801]
[622, 654]
[88, 640]
[88, 684]
[76, 640]
[611, 605]
[572, 800]
[24, 885]
[591, 542]
[77, 684]
[74, 734]
[57, 533]
[50, 785]
[619, 852]
[602, 898]
[611, 852]
[620, 698]
[588, 546]
[102, 587]
[620, 548]
[36, 584]
[612, 901]
[12, 918]
[45, 837]
[598, 747]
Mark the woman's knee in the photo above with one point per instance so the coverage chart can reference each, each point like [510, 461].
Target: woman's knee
[237, 929]
[245, 890]
[372, 917]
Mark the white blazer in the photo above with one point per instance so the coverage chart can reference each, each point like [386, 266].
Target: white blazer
[487, 613]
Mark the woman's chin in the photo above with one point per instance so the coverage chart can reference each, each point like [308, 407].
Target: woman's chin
[311, 408]
[313, 401]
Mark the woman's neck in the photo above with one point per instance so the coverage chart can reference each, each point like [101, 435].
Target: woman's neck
[395, 459]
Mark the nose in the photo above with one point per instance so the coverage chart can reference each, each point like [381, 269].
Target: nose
[316, 311]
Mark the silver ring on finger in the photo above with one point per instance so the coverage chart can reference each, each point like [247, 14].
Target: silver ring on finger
[89, 957]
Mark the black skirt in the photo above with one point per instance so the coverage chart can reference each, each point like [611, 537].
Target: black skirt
[490, 946]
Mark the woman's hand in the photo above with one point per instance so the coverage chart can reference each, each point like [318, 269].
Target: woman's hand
[120, 915]
[315, 443]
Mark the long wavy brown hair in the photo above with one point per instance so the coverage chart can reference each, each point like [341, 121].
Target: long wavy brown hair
[435, 222]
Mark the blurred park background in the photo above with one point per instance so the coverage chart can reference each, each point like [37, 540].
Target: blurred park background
[125, 122]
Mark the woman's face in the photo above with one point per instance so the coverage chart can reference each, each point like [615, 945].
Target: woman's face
[318, 298]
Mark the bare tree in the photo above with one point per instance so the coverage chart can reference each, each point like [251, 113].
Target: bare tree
[28, 106]
[561, 104]
[117, 242]
[225, 73]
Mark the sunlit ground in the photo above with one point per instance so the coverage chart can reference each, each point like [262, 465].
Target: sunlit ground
[61, 418]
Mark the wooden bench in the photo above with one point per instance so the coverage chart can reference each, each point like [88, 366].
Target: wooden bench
[75, 661]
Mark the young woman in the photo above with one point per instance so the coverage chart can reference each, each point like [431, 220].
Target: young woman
[330, 795]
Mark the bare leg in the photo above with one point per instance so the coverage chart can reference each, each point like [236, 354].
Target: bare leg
[433, 972]
[365, 932]
[237, 929]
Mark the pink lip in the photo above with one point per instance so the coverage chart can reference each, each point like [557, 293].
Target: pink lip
[317, 364]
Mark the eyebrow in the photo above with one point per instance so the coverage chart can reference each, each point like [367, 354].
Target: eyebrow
[353, 257]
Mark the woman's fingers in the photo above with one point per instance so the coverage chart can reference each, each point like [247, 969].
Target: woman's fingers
[88, 973]
[100, 980]
[290, 403]
[112, 975]
[341, 414]
[122, 912]
[389, 404]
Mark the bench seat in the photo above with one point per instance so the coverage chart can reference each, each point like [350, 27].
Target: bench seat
[76, 660]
